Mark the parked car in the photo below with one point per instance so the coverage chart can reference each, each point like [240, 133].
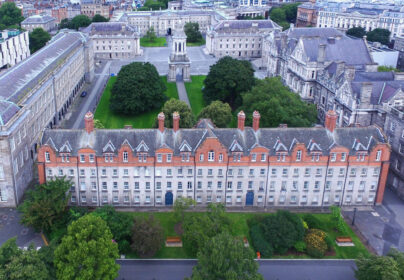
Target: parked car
[83, 94]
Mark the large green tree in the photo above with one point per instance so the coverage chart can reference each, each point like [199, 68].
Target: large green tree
[227, 79]
[358, 32]
[147, 236]
[187, 118]
[225, 258]
[138, 88]
[79, 21]
[379, 35]
[182, 204]
[277, 105]
[99, 18]
[87, 251]
[37, 39]
[10, 15]
[191, 29]
[291, 12]
[377, 268]
[218, 112]
[150, 35]
[45, 204]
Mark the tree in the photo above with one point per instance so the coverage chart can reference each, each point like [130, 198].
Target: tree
[187, 119]
[291, 12]
[147, 236]
[383, 68]
[277, 105]
[87, 251]
[191, 29]
[358, 32]
[182, 204]
[227, 79]
[151, 35]
[8, 251]
[10, 15]
[99, 18]
[98, 124]
[45, 204]
[80, 21]
[224, 257]
[282, 230]
[315, 241]
[377, 268]
[65, 23]
[37, 39]
[399, 258]
[138, 88]
[278, 15]
[218, 112]
[120, 225]
[379, 35]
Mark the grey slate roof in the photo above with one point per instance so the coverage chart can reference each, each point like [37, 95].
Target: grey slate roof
[108, 28]
[313, 32]
[18, 81]
[242, 25]
[232, 139]
[38, 19]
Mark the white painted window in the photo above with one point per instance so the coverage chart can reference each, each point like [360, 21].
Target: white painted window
[378, 155]
[47, 157]
[211, 156]
[169, 157]
[125, 156]
[299, 156]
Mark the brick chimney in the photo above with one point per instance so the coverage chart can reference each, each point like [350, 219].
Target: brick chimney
[241, 120]
[161, 119]
[256, 120]
[176, 121]
[89, 122]
[330, 120]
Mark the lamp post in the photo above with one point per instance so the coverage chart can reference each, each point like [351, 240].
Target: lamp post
[354, 215]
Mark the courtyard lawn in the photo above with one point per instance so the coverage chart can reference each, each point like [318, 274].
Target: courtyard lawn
[195, 96]
[196, 44]
[159, 42]
[240, 228]
[145, 120]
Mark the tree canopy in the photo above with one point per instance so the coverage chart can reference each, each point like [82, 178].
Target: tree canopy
[191, 29]
[227, 79]
[182, 204]
[99, 18]
[151, 35]
[277, 105]
[147, 236]
[87, 251]
[187, 119]
[138, 88]
[45, 204]
[218, 112]
[225, 258]
[10, 15]
[284, 15]
[379, 35]
[79, 21]
[37, 39]
[377, 268]
[358, 32]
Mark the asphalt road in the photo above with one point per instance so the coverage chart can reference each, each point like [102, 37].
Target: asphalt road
[271, 270]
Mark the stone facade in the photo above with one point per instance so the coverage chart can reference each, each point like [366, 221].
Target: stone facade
[399, 46]
[179, 63]
[36, 94]
[44, 21]
[14, 47]
[114, 40]
[92, 8]
[261, 167]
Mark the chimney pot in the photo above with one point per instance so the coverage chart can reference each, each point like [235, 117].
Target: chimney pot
[161, 119]
[89, 122]
[176, 121]
[241, 120]
[330, 120]
[283, 125]
[256, 120]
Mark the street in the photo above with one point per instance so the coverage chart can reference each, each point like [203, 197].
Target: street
[270, 269]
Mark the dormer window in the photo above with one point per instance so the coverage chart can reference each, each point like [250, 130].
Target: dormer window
[142, 157]
[343, 156]
[360, 156]
[185, 157]
[254, 157]
[299, 156]
[211, 156]
[159, 157]
[82, 158]
[378, 155]
[237, 157]
[263, 157]
[169, 157]
[125, 156]
[65, 158]
[333, 157]
[281, 156]
[47, 157]
[91, 157]
[315, 157]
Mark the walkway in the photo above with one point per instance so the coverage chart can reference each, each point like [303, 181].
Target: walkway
[182, 92]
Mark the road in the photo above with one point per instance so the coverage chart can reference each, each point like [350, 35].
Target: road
[270, 269]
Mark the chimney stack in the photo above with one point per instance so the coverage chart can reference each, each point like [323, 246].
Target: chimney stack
[161, 119]
[330, 120]
[321, 53]
[241, 120]
[366, 92]
[176, 121]
[89, 122]
[256, 120]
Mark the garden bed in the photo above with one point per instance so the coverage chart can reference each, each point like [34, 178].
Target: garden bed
[158, 42]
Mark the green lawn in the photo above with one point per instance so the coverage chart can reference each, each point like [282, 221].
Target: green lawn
[159, 42]
[240, 228]
[196, 44]
[194, 91]
[146, 120]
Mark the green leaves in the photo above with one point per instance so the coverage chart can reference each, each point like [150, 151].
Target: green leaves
[147, 236]
[37, 39]
[191, 29]
[218, 112]
[10, 15]
[187, 119]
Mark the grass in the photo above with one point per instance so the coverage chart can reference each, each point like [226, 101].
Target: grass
[159, 42]
[196, 44]
[195, 96]
[240, 229]
[145, 120]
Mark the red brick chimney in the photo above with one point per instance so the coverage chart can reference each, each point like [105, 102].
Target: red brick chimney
[330, 120]
[161, 119]
[176, 121]
[89, 122]
[256, 120]
[241, 120]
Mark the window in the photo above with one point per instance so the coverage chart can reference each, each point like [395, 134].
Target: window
[159, 158]
[137, 199]
[371, 198]
[353, 172]
[147, 185]
[60, 172]
[336, 198]
[307, 172]
[238, 199]
[91, 157]
[240, 172]
[299, 156]
[281, 157]
[263, 157]
[220, 172]
[82, 158]
[115, 185]
[343, 156]
[169, 172]
[158, 185]
[333, 156]
[318, 172]
[104, 185]
[317, 185]
[82, 172]
[339, 185]
[125, 156]
[230, 172]
[47, 157]
[115, 172]
[254, 157]
[359, 198]
[73, 199]
[364, 171]
[284, 172]
[201, 157]
[199, 172]
[189, 171]
[295, 185]
[315, 157]
[168, 185]
[219, 184]
[210, 172]
[228, 199]
[330, 172]
[211, 156]
[378, 155]
[341, 172]
[180, 185]
[219, 198]
[306, 185]
[94, 199]
[362, 186]
[83, 199]
[220, 157]
[169, 157]
[82, 186]
[115, 199]
[93, 186]
[328, 185]
[239, 185]
[273, 171]
[376, 171]
[296, 172]
[71, 172]
[93, 173]
[350, 186]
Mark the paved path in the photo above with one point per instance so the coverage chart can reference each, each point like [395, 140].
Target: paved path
[270, 269]
[182, 92]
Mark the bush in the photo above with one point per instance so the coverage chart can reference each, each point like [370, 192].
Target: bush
[259, 242]
[330, 243]
[300, 246]
[147, 237]
[312, 221]
[316, 245]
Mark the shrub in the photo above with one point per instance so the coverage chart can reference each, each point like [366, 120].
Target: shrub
[312, 221]
[330, 243]
[341, 226]
[259, 242]
[147, 237]
[300, 246]
[316, 245]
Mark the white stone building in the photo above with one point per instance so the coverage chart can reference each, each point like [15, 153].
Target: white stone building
[14, 47]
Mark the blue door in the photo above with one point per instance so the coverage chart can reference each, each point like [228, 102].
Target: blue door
[169, 198]
[249, 201]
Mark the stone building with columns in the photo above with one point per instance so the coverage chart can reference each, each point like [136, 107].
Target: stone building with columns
[36, 94]
[179, 64]
[240, 167]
